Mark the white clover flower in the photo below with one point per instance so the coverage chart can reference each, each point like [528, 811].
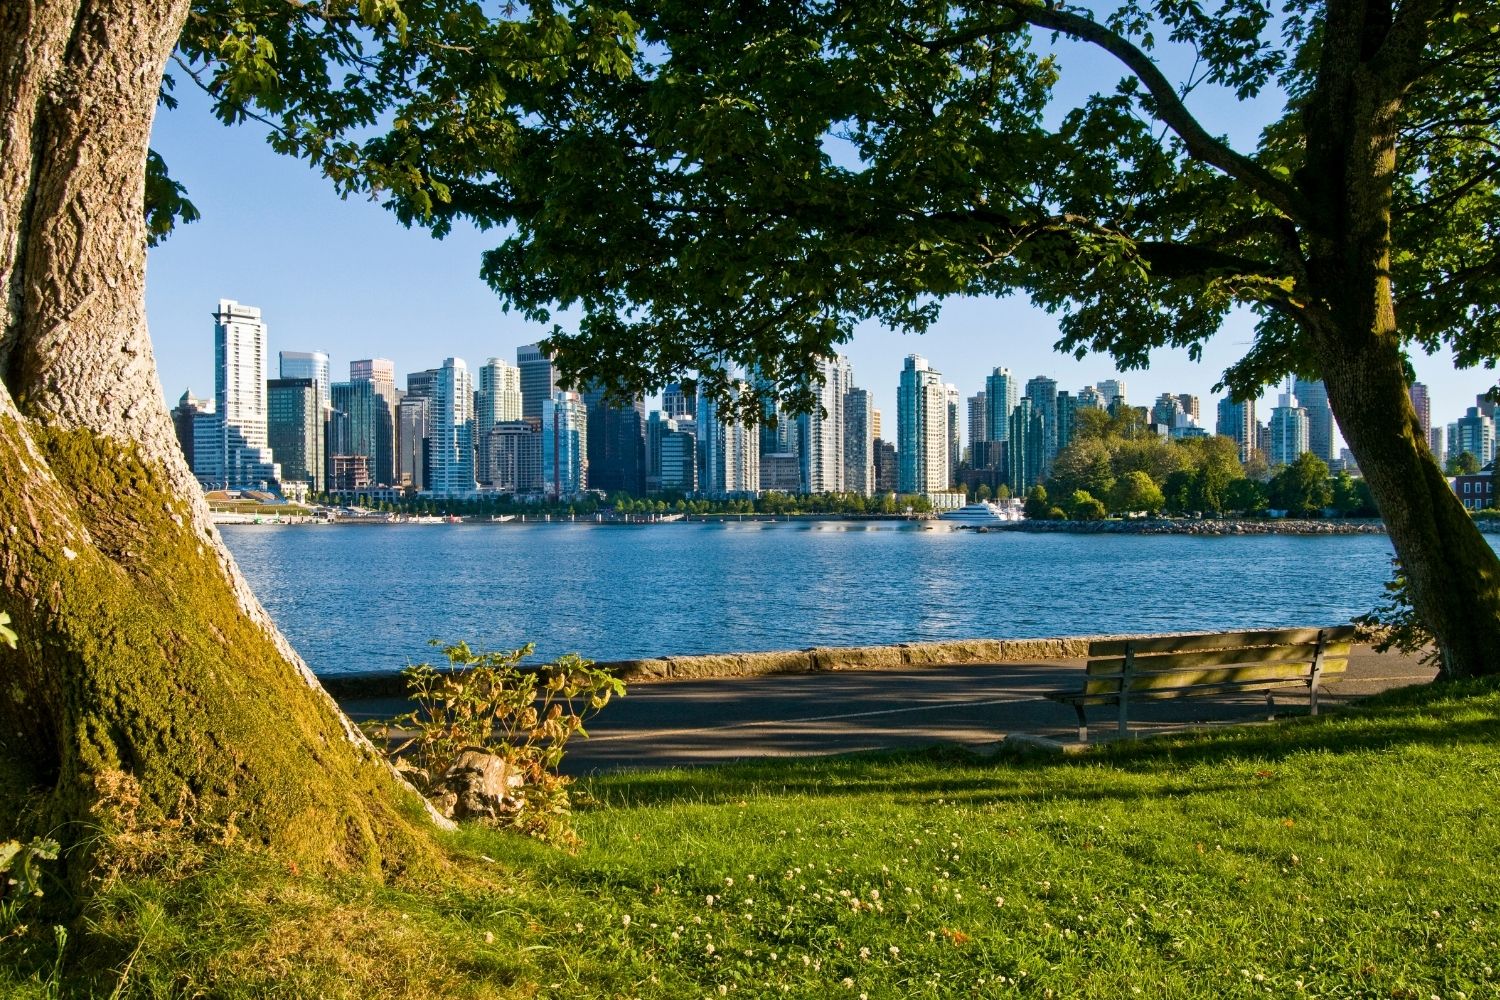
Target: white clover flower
[847, 983]
[625, 920]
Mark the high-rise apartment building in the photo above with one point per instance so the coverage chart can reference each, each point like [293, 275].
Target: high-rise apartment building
[1067, 405]
[514, 456]
[294, 428]
[1474, 432]
[875, 427]
[239, 456]
[184, 416]
[679, 455]
[1314, 399]
[1165, 410]
[379, 370]
[450, 448]
[1236, 421]
[859, 445]
[1042, 392]
[1190, 405]
[423, 384]
[565, 464]
[954, 403]
[1437, 440]
[820, 433]
[616, 443]
[1026, 447]
[1113, 391]
[538, 379]
[887, 468]
[728, 452]
[497, 399]
[921, 428]
[677, 402]
[1289, 431]
[976, 430]
[1422, 403]
[1001, 393]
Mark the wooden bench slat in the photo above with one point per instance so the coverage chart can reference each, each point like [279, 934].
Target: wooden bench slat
[1218, 640]
[1302, 653]
[1166, 693]
[1282, 674]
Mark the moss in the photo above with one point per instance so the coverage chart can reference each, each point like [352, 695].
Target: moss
[153, 706]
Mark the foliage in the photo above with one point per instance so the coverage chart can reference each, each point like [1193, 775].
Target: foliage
[1394, 624]
[1301, 488]
[1463, 464]
[1074, 876]
[1083, 506]
[1351, 497]
[19, 875]
[7, 634]
[489, 701]
[1246, 496]
[1037, 507]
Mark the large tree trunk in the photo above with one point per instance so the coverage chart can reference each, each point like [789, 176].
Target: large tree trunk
[150, 692]
[1351, 124]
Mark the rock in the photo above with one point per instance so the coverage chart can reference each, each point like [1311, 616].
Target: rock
[479, 785]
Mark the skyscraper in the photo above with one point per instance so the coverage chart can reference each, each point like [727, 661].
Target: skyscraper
[616, 443]
[1113, 391]
[1289, 431]
[565, 467]
[241, 456]
[1422, 403]
[1165, 410]
[728, 453]
[378, 370]
[184, 415]
[1474, 432]
[921, 428]
[1001, 392]
[677, 402]
[1042, 392]
[954, 403]
[538, 379]
[1067, 405]
[294, 428]
[496, 399]
[515, 456]
[1314, 399]
[859, 445]
[450, 450]
[413, 425]
[1190, 406]
[821, 432]
[1237, 422]
[976, 430]
[370, 409]
[1025, 451]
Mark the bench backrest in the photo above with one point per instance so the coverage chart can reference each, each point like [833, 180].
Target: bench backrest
[1215, 659]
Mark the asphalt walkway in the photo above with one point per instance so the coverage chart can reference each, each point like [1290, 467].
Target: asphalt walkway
[685, 723]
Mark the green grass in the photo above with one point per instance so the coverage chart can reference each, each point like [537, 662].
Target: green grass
[1354, 855]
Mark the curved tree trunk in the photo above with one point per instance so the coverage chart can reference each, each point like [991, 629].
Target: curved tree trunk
[1351, 121]
[150, 691]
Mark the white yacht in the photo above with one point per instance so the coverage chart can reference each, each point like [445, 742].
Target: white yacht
[982, 513]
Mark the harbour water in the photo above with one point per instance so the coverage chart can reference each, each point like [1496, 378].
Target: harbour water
[355, 599]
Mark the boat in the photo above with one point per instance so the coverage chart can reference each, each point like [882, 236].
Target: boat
[982, 513]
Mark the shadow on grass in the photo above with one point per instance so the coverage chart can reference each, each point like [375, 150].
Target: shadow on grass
[1439, 715]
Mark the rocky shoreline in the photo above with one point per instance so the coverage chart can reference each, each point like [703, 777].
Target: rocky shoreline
[1205, 526]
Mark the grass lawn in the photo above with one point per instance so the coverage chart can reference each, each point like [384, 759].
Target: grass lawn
[1353, 855]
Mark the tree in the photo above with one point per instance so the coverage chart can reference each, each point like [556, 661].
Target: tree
[1245, 495]
[1135, 491]
[1083, 465]
[764, 181]
[983, 493]
[1178, 491]
[1037, 507]
[148, 686]
[1463, 464]
[1302, 488]
[1083, 506]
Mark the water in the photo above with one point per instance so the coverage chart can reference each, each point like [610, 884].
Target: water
[368, 598]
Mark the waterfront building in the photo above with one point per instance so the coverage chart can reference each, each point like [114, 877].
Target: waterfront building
[1042, 392]
[1422, 403]
[976, 428]
[821, 432]
[514, 456]
[381, 371]
[497, 398]
[1313, 396]
[294, 429]
[616, 443]
[207, 434]
[1474, 432]
[1477, 490]
[565, 464]
[780, 472]
[859, 443]
[887, 468]
[538, 379]
[679, 456]
[1001, 392]
[413, 425]
[370, 410]
[238, 454]
[351, 473]
[1236, 421]
[677, 402]
[657, 424]
[921, 428]
[728, 452]
[1288, 432]
[450, 451]
[184, 414]
[1113, 391]
[1025, 451]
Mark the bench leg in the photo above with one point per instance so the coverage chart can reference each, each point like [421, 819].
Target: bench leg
[1270, 707]
[1083, 724]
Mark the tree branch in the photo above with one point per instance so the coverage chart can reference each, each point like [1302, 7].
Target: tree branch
[1169, 106]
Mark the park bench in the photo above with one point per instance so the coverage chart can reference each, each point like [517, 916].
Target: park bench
[1123, 671]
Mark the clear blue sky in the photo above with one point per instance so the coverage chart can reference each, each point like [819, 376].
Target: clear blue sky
[346, 278]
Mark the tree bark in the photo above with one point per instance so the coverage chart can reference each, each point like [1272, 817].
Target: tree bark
[150, 693]
[1351, 123]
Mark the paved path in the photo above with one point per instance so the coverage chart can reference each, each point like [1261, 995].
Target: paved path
[683, 723]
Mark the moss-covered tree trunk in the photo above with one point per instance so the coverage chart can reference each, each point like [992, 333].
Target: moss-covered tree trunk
[150, 692]
[1370, 56]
